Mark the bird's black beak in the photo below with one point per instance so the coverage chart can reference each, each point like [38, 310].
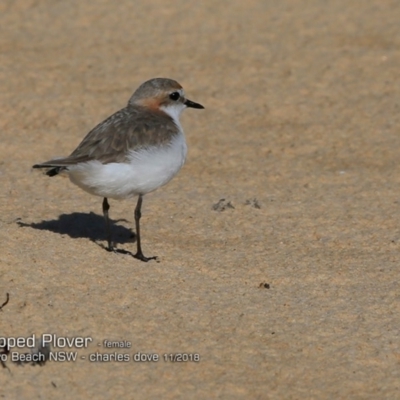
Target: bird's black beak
[192, 104]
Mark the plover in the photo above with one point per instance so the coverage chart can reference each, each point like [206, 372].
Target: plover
[133, 152]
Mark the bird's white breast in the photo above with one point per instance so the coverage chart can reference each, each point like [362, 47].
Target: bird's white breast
[145, 171]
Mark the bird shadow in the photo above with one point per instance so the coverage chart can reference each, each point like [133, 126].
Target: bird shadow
[83, 225]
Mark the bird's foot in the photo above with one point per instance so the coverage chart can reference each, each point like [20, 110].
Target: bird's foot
[139, 255]
[111, 248]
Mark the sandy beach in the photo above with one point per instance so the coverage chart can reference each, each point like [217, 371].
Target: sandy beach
[278, 242]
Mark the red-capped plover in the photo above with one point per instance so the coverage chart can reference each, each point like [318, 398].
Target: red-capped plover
[133, 152]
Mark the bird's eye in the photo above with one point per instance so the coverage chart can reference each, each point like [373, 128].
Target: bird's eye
[174, 96]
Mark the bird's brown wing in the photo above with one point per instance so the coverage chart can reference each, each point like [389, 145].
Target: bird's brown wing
[131, 128]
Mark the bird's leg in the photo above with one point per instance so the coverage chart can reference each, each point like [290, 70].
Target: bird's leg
[139, 255]
[106, 207]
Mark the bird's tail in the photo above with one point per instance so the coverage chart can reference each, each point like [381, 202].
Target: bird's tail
[52, 171]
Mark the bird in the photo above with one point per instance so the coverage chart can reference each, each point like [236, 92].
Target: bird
[131, 153]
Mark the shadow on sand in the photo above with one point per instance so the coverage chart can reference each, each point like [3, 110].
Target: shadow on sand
[81, 225]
